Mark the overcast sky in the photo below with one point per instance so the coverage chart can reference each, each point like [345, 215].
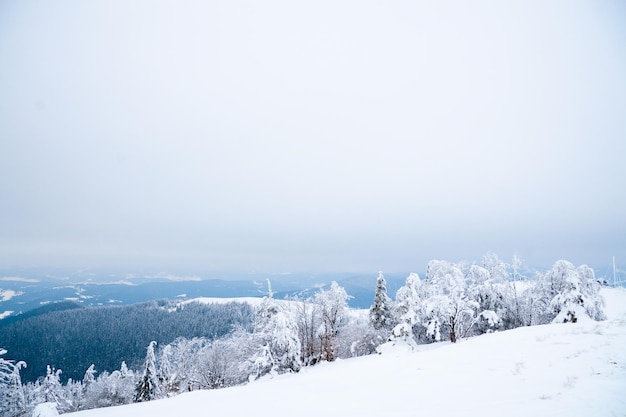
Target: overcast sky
[311, 136]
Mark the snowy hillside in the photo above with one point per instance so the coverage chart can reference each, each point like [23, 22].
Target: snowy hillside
[550, 370]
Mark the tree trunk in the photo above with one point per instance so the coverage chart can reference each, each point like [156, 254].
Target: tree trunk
[452, 330]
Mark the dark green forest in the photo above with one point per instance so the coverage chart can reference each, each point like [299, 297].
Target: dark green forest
[75, 338]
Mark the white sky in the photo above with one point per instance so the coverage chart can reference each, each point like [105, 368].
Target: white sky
[311, 136]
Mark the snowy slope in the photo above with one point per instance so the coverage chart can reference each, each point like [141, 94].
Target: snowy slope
[552, 370]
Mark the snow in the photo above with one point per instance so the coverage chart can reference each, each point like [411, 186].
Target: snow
[45, 410]
[6, 295]
[551, 370]
[6, 314]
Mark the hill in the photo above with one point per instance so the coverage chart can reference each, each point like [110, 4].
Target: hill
[550, 370]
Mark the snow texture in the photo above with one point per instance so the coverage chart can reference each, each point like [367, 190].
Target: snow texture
[45, 410]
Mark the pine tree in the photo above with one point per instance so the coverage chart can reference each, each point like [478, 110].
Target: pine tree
[12, 400]
[406, 310]
[149, 386]
[89, 380]
[381, 311]
[90, 375]
[166, 373]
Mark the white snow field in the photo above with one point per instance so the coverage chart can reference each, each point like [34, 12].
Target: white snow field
[551, 370]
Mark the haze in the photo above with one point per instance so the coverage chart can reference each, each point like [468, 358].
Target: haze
[311, 136]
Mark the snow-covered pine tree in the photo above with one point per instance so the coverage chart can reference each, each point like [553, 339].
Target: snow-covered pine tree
[12, 399]
[167, 374]
[149, 386]
[381, 311]
[90, 376]
[89, 391]
[406, 310]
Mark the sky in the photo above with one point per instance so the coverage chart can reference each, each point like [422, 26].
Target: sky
[329, 136]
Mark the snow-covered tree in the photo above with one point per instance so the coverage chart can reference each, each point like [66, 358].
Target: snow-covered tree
[167, 373]
[357, 337]
[228, 359]
[487, 292]
[89, 389]
[590, 291]
[149, 386]
[497, 304]
[12, 399]
[49, 390]
[570, 293]
[90, 376]
[406, 310]
[106, 390]
[181, 364]
[518, 302]
[124, 387]
[51, 387]
[276, 335]
[332, 305]
[498, 270]
[446, 306]
[381, 311]
[308, 322]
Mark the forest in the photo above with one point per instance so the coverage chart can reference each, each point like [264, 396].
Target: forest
[453, 301]
[73, 339]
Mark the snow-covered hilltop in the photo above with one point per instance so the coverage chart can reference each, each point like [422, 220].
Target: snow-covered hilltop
[548, 370]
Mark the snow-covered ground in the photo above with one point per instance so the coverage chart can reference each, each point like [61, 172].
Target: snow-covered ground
[551, 370]
[6, 295]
